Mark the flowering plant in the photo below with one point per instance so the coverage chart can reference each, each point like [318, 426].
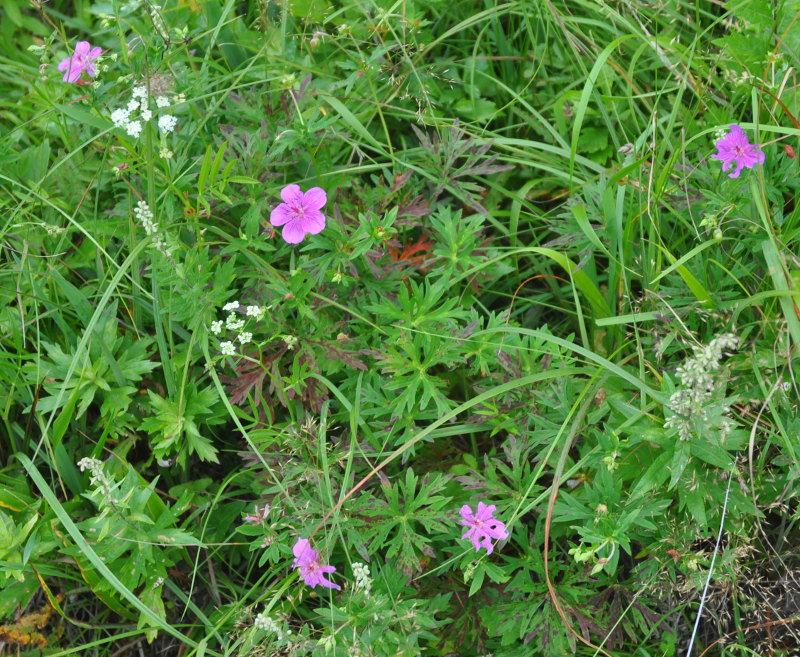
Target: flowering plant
[735, 150]
[311, 570]
[82, 59]
[299, 214]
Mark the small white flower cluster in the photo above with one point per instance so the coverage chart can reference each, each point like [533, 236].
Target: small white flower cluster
[236, 323]
[52, 229]
[167, 123]
[127, 119]
[144, 215]
[363, 582]
[98, 478]
[696, 376]
[266, 624]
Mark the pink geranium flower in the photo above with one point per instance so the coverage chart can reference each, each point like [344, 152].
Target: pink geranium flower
[82, 60]
[299, 213]
[307, 560]
[734, 150]
[483, 526]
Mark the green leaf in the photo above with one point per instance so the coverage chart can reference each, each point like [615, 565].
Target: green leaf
[84, 117]
[311, 11]
[680, 459]
[204, 170]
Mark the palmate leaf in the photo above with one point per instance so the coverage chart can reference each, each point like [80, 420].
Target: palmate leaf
[175, 424]
[406, 511]
[409, 366]
[426, 305]
[456, 156]
[104, 374]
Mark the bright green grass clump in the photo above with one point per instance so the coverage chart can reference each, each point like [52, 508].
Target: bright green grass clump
[399, 328]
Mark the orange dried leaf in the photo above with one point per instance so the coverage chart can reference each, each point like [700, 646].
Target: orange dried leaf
[416, 252]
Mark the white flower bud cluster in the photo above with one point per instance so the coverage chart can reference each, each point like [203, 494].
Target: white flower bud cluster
[98, 477]
[155, 15]
[52, 229]
[266, 624]
[363, 581]
[696, 376]
[144, 215]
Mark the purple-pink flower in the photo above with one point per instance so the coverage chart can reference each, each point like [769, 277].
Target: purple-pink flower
[734, 150]
[299, 213]
[483, 526]
[82, 60]
[307, 560]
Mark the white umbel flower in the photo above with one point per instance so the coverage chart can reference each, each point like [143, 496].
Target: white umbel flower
[167, 123]
[233, 323]
[120, 117]
[254, 311]
[134, 129]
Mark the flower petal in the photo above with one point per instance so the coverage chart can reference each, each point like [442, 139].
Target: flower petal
[466, 514]
[313, 222]
[314, 198]
[293, 232]
[497, 530]
[292, 195]
[95, 52]
[301, 547]
[485, 511]
[327, 583]
[64, 64]
[281, 215]
[83, 47]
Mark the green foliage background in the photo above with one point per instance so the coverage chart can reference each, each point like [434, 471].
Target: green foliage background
[528, 255]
